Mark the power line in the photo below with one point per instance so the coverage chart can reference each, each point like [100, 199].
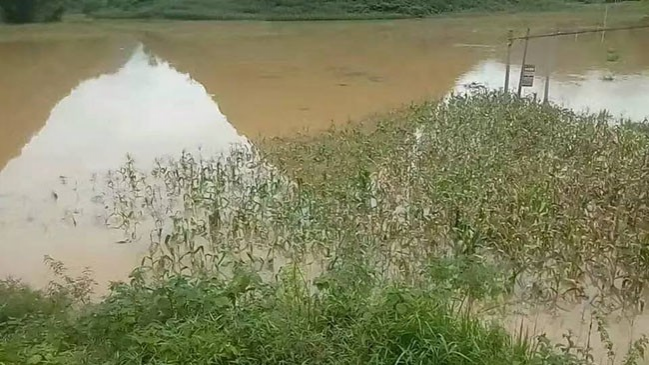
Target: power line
[594, 30]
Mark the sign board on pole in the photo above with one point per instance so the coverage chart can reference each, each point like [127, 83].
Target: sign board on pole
[528, 75]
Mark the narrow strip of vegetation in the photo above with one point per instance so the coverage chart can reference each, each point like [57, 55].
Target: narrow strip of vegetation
[28, 11]
[363, 247]
[304, 9]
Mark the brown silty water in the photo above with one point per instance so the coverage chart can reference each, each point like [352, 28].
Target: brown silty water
[73, 106]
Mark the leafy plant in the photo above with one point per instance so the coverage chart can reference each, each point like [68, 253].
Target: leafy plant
[368, 245]
[28, 11]
[302, 9]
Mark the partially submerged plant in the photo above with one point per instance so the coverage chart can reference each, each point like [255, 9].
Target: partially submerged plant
[612, 55]
[551, 198]
[377, 246]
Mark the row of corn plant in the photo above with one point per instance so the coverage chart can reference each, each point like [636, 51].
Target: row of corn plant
[556, 200]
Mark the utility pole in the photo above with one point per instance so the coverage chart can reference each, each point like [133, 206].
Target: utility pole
[510, 42]
[549, 64]
[520, 79]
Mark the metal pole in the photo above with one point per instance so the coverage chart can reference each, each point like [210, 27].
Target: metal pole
[510, 42]
[520, 79]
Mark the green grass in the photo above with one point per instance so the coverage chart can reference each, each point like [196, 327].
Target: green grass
[363, 245]
[210, 321]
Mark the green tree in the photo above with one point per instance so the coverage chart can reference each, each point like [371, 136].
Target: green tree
[31, 11]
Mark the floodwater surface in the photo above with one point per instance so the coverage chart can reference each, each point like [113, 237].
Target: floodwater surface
[76, 98]
[74, 105]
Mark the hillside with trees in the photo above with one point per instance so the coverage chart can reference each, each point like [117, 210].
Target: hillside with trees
[26, 11]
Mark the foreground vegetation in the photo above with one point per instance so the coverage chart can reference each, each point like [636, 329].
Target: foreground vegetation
[368, 245]
[350, 320]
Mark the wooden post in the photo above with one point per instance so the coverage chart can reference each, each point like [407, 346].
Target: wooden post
[510, 42]
[548, 68]
[520, 79]
[605, 19]
[547, 87]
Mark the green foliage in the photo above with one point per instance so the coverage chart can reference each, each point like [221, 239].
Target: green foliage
[641, 127]
[31, 11]
[612, 55]
[17, 301]
[363, 247]
[301, 9]
[204, 320]
[545, 199]
[552, 196]
[33, 323]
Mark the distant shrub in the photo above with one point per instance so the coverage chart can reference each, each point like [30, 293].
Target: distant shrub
[128, 4]
[31, 11]
[89, 6]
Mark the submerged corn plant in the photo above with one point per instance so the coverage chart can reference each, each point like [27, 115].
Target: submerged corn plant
[363, 245]
[551, 203]
[480, 198]
[201, 213]
[554, 197]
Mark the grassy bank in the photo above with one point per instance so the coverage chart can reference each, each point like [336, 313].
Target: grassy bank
[303, 9]
[351, 320]
[364, 245]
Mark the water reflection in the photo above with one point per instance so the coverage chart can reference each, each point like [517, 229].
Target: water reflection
[622, 95]
[282, 78]
[146, 109]
[36, 73]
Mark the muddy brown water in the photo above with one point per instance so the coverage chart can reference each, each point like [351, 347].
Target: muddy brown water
[76, 98]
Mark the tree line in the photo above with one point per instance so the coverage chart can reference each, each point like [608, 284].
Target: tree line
[30, 11]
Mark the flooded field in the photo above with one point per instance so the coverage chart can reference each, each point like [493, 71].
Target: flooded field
[77, 98]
